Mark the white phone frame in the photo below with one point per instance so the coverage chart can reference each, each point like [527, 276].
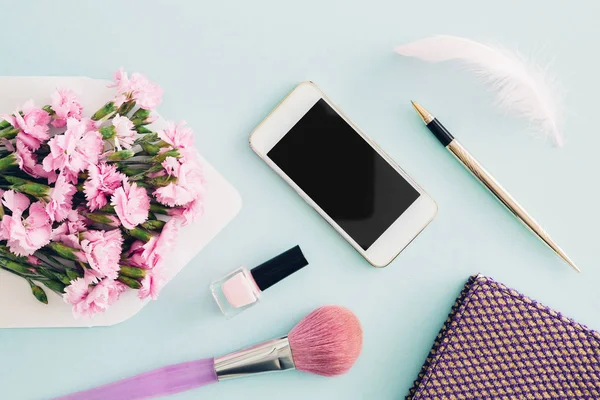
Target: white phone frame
[402, 231]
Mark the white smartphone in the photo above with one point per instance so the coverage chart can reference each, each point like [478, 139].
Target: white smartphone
[343, 174]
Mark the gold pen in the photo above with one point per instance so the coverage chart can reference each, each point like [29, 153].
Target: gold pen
[488, 180]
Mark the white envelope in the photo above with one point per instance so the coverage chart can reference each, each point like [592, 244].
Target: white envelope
[18, 307]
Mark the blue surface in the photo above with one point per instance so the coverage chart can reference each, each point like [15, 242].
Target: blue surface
[224, 65]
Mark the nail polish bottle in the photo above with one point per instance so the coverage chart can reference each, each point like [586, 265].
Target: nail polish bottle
[242, 288]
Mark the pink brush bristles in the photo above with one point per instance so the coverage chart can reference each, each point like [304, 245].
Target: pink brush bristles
[327, 341]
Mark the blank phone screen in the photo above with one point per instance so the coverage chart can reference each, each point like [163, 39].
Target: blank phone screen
[343, 174]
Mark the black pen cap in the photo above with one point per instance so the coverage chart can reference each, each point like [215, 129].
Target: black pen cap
[277, 268]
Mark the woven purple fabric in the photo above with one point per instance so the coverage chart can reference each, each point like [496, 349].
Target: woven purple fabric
[499, 344]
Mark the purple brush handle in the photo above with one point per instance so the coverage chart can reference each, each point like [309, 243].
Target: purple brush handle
[160, 382]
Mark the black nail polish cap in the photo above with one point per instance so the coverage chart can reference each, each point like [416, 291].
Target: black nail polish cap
[277, 268]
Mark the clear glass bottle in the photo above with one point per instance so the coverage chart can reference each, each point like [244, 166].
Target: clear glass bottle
[242, 288]
[236, 292]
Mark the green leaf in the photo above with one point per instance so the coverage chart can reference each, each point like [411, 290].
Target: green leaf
[55, 276]
[15, 267]
[63, 278]
[55, 286]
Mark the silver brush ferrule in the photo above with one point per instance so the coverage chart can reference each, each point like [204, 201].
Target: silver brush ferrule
[274, 355]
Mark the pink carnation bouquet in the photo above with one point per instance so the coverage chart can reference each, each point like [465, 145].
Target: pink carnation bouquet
[91, 206]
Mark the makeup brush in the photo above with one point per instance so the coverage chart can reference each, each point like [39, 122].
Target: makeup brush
[326, 342]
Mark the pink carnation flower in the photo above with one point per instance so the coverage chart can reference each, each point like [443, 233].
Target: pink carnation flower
[8, 144]
[131, 204]
[24, 235]
[188, 213]
[103, 180]
[125, 135]
[33, 260]
[68, 231]
[15, 201]
[190, 183]
[28, 162]
[103, 251]
[159, 246]
[152, 284]
[73, 151]
[121, 81]
[177, 135]
[147, 95]
[134, 255]
[61, 199]
[65, 105]
[180, 137]
[33, 125]
[88, 300]
[77, 291]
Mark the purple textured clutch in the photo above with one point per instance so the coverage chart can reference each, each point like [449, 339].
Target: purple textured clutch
[499, 344]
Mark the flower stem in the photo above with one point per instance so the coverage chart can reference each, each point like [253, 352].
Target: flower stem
[159, 209]
[64, 251]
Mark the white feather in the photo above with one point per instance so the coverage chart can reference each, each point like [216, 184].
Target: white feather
[521, 87]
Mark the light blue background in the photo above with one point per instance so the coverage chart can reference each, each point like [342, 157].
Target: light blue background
[224, 65]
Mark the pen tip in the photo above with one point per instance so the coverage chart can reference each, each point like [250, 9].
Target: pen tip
[570, 262]
[423, 113]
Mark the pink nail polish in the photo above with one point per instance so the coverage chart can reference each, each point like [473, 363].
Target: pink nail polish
[242, 288]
